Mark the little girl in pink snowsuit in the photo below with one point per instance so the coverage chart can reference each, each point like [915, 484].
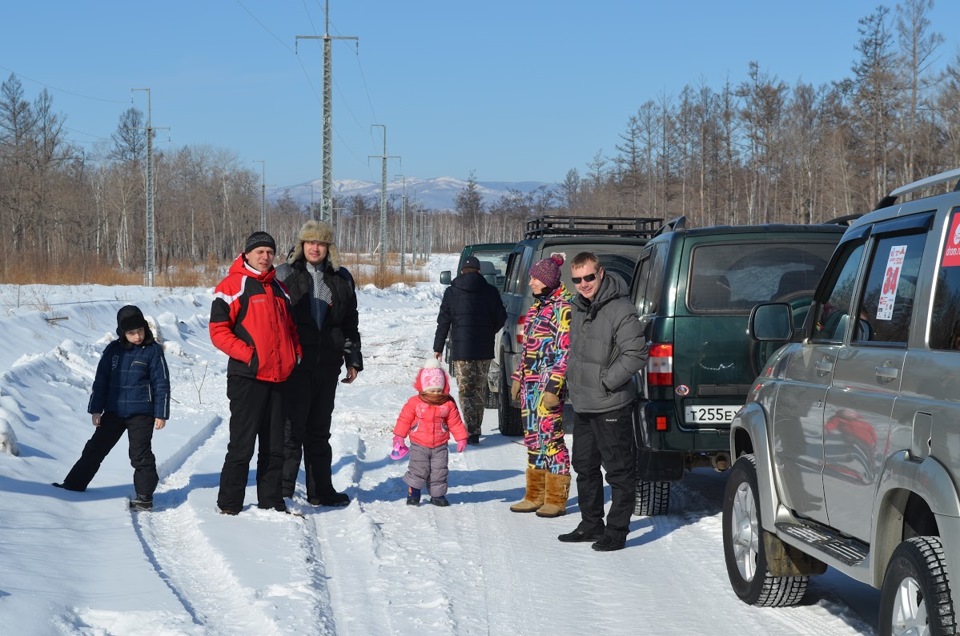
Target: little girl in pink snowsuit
[429, 418]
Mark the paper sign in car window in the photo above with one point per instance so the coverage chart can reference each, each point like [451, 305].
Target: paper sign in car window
[890, 281]
[951, 251]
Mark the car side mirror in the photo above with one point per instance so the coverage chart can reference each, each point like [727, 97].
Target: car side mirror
[771, 322]
[445, 277]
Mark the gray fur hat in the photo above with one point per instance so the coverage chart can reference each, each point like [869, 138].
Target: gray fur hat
[321, 232]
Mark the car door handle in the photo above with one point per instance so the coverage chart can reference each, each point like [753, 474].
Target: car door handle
[887, 374]
[824, 367]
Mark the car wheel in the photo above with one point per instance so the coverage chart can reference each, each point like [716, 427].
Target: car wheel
[491, 399]
[743, 546]
[915, 596]
[653, 498]
[509, 416]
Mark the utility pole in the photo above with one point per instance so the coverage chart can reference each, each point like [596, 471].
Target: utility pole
[263, 194]
[403, 227]
[383, 198]
[326, 204]
[150, 246]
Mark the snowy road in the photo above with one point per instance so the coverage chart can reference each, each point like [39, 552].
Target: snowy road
[79, 563]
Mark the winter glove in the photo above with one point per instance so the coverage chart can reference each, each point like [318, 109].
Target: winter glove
[550, 401]
[515, 389]
[400, 449]
[461, 445]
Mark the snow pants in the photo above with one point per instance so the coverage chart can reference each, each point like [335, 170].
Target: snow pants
[139, 430]
[543, 432]
[471, 381]
[256, 418]
[308, 405]
[428, 469]
[605, 439]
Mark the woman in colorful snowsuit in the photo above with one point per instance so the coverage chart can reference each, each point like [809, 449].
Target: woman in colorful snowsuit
[429, 418]
[539, 384]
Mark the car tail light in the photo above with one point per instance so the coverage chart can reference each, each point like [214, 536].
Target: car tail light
[520, 321]
[661, 422]
[660, 365]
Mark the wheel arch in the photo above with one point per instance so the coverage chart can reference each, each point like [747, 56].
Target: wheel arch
[903, 512]
[748, 434]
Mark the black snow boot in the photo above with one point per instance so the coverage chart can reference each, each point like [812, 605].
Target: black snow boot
[142, 502]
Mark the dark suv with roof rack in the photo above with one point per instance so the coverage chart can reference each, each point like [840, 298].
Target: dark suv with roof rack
[616, 242]
[694, 289]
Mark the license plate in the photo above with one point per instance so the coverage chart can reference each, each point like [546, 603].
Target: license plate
[709, 414]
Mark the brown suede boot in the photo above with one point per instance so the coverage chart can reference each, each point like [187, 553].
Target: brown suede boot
[534, 497]
[555, 501]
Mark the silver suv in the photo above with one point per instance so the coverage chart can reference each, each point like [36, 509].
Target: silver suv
[848, 449]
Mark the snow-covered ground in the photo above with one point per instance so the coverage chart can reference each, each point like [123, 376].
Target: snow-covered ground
[81, 563]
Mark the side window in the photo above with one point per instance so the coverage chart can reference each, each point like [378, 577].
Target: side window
[886, 307]
[833, 305]
[945, 321]
[514, 270]
[650, 285]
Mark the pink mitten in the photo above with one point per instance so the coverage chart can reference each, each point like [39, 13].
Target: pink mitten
[461, 445]
[400, 449]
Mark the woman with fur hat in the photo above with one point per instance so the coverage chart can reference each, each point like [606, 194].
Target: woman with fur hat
[325, 312]
[539, 385]
[131, 392]
[429, 418]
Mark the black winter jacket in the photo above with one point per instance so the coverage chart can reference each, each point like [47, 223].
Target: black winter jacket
[472, 308]
[132, 380]
[339, 339]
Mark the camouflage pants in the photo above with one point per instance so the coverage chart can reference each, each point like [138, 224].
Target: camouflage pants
[471, 382]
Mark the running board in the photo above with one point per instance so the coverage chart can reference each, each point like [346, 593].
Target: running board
[849, 551]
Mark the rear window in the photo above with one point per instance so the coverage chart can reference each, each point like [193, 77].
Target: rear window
[493, 266]
[736, 276]
[617, 259]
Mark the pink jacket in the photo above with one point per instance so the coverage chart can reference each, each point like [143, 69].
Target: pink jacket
[430, 425]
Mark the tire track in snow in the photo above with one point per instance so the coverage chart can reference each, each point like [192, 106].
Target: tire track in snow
[201, 576]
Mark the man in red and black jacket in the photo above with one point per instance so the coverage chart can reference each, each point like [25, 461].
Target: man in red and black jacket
[250, 321]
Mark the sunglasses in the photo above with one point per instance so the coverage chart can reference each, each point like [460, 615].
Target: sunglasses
[589, 278]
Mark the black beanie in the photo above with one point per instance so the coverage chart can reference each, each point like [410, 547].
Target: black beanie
[259, 239]
[129, 318]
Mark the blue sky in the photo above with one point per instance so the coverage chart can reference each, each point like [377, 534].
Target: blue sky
[511, 90]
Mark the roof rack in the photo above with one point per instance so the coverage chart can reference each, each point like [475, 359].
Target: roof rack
[644, 227]
[673, 225]
[922, 184]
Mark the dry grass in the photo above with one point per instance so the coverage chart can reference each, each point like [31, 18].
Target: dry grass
[77, 270]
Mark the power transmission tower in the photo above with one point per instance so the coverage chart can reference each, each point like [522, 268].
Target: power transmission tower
[326, 203]
[263, 194]
[150, 263]
[383, 198]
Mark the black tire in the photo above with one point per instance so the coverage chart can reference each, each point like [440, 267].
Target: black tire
[653, 498]
[915, 595]
[491, 399]
[510, 422]
[743, 547]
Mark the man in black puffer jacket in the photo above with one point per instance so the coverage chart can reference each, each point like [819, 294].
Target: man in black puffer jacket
[325, 311]
[472, 308]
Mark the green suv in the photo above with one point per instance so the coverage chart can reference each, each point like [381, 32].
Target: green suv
[694, 289]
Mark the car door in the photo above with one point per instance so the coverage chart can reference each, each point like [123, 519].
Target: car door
[797, 419]
[867, 375]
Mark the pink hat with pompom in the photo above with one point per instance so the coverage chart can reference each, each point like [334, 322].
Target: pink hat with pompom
[431, 376]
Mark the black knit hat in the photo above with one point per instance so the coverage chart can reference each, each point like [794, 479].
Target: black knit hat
[259, 239]
[129, 318]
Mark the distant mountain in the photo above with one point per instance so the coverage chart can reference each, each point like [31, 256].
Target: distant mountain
[435, 194]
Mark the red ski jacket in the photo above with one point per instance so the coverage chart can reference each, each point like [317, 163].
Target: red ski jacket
[250, 321]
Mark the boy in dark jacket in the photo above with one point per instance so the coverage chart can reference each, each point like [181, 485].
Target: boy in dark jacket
[131, 392]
